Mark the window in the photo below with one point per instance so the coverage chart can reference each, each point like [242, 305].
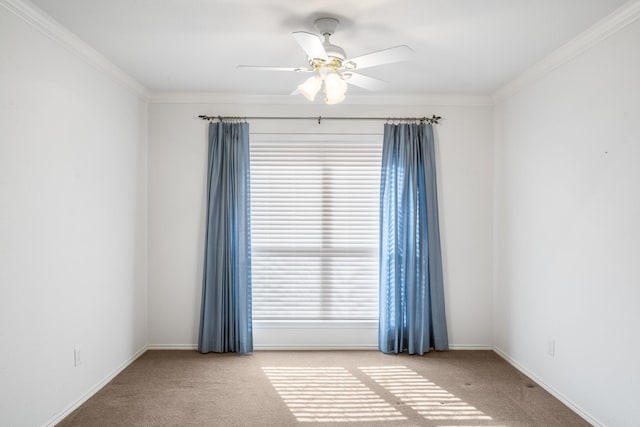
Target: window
[314, 219]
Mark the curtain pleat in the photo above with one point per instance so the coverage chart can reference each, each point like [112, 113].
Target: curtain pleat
[225, 321]
[412, 314]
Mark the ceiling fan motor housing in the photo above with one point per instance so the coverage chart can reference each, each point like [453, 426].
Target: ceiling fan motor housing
[334, 51]
[327, 27]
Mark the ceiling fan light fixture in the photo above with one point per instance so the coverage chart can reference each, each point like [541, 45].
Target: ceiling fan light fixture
[332, 101]
[310, 87]
[334, 89]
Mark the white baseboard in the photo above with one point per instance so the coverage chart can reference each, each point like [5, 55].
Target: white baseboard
[93, 390]
[172, 347]
[470, 347]
[575, 408]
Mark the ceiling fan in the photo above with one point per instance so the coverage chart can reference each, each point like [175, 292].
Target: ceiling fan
[332, 67]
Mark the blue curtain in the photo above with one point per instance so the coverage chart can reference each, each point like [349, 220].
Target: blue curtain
[412, 313]
[225, 320]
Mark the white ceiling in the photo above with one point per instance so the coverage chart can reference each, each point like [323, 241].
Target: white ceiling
[469, 47]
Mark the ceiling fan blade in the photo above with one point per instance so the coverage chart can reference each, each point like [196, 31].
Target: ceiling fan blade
[381, 57]
[365, 82]
[267, 68]
[311, 44]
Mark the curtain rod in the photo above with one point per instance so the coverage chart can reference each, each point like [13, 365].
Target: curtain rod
[433, 119]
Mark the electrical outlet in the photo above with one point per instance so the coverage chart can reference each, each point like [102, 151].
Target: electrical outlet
[551, 347]
[77, 356]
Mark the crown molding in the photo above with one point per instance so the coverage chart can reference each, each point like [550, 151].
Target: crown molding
[625, 15]
[51, 28]
[356, 99]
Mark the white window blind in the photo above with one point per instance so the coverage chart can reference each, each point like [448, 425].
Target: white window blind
[314, 226]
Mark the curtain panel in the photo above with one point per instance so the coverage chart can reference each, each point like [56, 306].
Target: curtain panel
[225, 321]
[412, 311]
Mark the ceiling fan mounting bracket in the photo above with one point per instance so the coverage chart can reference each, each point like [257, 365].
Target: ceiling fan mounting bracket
[326, 26]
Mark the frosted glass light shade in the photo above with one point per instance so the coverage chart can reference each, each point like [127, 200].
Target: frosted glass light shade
[334, 89]
[310, 87]
[334, 100]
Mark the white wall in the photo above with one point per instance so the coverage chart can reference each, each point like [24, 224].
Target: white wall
[177, 169]
[72, 225]
[568, 229]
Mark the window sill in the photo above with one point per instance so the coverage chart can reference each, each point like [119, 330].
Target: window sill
[315, 324]
[315, 335]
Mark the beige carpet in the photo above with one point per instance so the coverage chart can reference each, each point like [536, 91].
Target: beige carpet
[322, 388]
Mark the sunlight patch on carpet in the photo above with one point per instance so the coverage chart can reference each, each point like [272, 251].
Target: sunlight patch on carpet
[329, 394]
[424, 396]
